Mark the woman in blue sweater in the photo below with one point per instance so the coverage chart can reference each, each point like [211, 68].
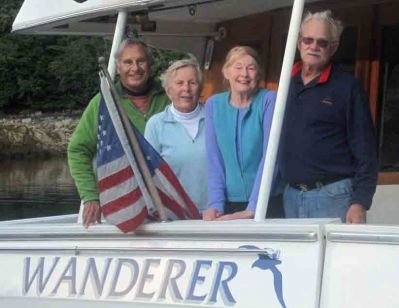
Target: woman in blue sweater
[178, 133]
[237, 126]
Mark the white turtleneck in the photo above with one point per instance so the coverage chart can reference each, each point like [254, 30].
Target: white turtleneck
[189, 120]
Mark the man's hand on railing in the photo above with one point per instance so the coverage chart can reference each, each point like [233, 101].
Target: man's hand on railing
[91, 213]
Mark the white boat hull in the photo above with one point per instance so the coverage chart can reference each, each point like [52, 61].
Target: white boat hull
[179, 264]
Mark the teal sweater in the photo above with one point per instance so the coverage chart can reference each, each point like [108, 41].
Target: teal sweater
[240, 169]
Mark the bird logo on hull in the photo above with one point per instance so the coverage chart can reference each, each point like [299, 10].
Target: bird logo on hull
[268, 259]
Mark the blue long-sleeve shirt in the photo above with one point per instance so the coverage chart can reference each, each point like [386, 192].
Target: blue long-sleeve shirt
[328, 133]
[215, 162]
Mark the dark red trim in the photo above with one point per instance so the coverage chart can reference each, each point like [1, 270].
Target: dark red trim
[296, 68]
[325, 75]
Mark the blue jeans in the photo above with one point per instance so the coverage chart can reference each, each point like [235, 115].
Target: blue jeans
[329, 201]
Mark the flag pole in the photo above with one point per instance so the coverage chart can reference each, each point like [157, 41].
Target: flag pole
[282, 93]
[135, 145]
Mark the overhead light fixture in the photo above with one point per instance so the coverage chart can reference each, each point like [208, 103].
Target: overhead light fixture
[221, 34]
[192, 9]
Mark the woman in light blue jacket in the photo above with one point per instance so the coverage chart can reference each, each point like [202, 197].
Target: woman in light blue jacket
[178, 133]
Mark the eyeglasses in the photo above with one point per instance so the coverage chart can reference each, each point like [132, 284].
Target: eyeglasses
[322, 43]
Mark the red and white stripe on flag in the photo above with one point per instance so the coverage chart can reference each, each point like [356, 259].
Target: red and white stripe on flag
[124, 197]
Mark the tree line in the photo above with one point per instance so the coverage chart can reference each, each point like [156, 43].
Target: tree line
[51, 73]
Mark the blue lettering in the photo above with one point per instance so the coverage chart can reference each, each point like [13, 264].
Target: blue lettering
[146, 277]
[91, 271]
[168, 280]
[69, 276]
[221, 285]
[196, 278]
[37, 275]
[126, 275]
[134, 273]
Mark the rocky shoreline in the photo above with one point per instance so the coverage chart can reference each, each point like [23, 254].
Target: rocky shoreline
[36, 134]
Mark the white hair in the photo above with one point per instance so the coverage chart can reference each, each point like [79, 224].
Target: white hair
[131, 42]
[335, 25]
[171, 71]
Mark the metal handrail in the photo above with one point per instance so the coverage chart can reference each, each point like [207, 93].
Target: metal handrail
[367, 238]
[271, 236]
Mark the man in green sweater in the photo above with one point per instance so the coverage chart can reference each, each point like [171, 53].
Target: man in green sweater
[141, 97]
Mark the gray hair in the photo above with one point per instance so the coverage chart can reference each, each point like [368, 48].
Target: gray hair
[335, 25]
[171, 71]
[133, 42]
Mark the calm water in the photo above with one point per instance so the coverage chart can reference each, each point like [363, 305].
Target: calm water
[36, 187]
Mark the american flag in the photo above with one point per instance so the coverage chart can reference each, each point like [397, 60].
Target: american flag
[124, 198]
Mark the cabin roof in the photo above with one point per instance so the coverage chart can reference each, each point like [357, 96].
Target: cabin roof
[97, 17]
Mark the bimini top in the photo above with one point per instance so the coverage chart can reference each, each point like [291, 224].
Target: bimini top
[97, 17]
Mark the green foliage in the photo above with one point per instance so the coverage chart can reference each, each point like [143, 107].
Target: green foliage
[45, 72]
[8, 11]
[53, 72]
[22, 67]
[48, 73]
[75, 69]
[163, 58]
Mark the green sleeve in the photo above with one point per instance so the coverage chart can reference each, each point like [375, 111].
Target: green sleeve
[82, 147]
[82, 151]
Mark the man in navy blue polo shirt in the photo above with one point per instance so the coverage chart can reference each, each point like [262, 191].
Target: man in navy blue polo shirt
[328, 147]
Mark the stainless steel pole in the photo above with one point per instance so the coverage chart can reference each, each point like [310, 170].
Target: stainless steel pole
[118, 36]
[285, 77]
